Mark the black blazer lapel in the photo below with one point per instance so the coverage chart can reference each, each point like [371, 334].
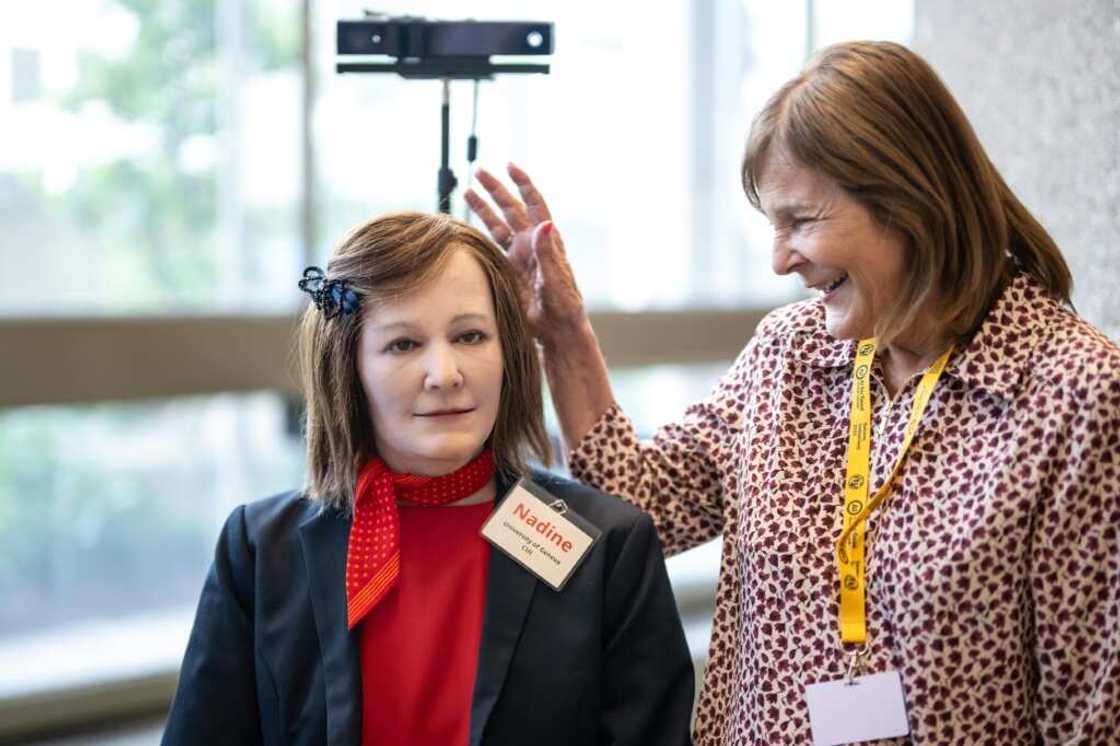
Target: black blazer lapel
[324, 538]
[509, 592]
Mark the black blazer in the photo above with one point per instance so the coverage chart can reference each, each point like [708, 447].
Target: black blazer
[270, 660]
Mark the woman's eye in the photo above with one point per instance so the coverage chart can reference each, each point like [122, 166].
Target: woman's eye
[400, 345]
[472, 337]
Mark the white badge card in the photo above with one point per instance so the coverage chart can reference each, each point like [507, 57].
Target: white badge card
[863, 709]
[541, 533]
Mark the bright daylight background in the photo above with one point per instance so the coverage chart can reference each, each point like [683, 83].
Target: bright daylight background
[151, 162]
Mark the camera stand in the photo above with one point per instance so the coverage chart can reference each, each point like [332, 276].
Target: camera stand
[445, 69]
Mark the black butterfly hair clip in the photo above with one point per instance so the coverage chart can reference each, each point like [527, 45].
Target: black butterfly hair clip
[332, 297]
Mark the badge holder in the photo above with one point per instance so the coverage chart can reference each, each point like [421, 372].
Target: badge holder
[541, 533]
[857, 707]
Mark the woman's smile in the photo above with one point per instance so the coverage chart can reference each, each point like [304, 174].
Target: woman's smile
[828, 290]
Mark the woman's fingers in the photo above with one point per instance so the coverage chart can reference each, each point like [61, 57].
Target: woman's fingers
[499, 230]
[534, 202]
[514, 210]
[548, 249]
[551, 299]
[560, 300]
[544, 246]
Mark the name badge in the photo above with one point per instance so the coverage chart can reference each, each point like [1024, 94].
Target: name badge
[863, 709]
[540, 532]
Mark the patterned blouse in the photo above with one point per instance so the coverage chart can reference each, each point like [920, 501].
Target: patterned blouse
[993, 568]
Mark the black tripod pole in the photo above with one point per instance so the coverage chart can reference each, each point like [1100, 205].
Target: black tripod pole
[447, 179]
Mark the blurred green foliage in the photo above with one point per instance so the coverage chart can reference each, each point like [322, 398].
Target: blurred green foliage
[156, 219]
[90, 525]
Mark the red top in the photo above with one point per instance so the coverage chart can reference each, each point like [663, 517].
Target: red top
[419, 645]
[373, 554]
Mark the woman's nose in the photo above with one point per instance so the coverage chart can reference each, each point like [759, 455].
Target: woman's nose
[443, 369]
[784, 259]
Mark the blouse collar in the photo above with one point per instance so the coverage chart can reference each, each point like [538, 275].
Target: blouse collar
[995, 358]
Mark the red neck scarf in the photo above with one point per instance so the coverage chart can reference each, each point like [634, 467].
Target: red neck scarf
[373, 555]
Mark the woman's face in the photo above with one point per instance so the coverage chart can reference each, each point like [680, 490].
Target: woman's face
[833, 243]
[430, 364]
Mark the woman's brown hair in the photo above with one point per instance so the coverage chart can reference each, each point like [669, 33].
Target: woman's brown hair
[875, 118]
[385, 258]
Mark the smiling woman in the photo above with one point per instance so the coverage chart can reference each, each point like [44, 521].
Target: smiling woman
[832, 242]
[943, 322]
[368, 607]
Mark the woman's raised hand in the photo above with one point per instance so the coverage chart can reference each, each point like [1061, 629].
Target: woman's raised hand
[524, 228]
[573, 362]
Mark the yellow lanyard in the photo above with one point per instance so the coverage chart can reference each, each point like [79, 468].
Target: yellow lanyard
[850, 548]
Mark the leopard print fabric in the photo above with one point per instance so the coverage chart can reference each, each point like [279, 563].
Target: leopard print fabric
[993, 567]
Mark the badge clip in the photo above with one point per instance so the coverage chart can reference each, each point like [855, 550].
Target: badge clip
[857, 660]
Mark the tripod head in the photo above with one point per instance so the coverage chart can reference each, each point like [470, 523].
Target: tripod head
[455, 50]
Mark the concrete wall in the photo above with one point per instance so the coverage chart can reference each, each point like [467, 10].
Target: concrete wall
[1040, 80]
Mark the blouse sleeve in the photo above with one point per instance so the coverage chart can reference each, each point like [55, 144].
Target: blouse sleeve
[679, 477]
[1075, 573]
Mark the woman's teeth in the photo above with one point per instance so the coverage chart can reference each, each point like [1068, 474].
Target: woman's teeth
[834, 284]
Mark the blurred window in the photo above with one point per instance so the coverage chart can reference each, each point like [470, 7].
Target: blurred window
[149, 156]
[108, 518]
